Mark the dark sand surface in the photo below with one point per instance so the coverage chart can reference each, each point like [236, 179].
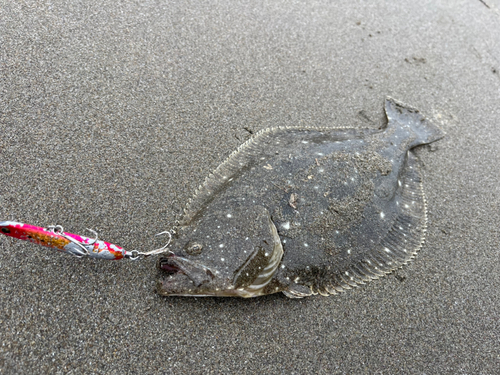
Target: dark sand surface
[112, 113]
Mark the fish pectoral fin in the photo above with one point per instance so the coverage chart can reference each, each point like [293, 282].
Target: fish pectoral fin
[261, 266]
[297, 291]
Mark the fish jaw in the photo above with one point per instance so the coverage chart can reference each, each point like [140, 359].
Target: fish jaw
[182, 277]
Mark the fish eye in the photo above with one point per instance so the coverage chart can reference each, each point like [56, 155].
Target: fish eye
[193, 248]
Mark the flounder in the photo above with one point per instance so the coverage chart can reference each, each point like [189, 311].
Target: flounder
[304, 211]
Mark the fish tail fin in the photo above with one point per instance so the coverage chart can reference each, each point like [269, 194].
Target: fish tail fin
[399, 114]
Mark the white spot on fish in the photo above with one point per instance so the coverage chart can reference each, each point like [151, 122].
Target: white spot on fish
[221, 245]
[229, 215]
[382, 215]
[286, 225]
[222, 259]
[306, 245]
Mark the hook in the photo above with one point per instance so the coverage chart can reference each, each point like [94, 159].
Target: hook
[135, 254]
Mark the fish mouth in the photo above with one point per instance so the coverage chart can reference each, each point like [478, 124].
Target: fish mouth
[168, 267]
[177, 265]
[183, 277]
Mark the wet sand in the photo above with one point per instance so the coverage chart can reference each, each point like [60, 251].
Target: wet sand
[111, 114]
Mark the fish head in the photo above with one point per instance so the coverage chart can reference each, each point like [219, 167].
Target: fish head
[223, 252]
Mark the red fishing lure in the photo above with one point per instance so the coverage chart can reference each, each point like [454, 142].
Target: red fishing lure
[55, 237]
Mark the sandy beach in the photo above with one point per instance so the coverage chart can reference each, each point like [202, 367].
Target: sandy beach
[113, 113]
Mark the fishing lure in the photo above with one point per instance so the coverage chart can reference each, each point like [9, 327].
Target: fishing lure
[79, 246]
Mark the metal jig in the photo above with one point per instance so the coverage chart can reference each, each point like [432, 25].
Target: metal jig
[80, 246]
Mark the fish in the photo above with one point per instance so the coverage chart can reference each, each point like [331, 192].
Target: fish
[304, 211]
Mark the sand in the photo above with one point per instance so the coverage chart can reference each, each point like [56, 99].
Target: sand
[112, 113]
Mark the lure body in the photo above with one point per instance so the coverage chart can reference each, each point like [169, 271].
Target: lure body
[65, 242]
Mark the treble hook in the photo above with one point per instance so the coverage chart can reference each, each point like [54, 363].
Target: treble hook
[81, 249]
[135, 254]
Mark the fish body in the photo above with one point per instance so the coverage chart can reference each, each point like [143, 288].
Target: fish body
[304, 211]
